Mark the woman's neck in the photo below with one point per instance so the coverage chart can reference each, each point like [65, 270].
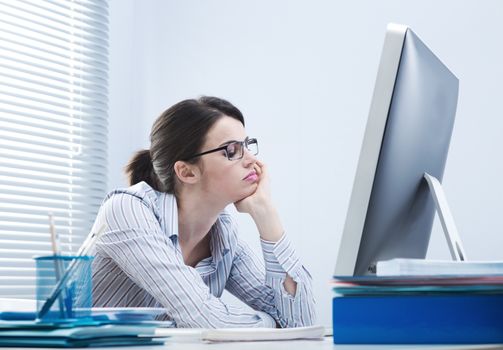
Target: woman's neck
[196, 216]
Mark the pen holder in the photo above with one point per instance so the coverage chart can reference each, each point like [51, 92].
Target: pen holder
[75, 299]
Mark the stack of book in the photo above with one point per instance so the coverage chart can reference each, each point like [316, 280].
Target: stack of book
[106, 327]
[418, 302]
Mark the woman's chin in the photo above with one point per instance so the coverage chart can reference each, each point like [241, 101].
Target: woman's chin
[244, 194]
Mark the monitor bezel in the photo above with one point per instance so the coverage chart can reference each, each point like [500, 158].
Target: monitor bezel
[371, 146]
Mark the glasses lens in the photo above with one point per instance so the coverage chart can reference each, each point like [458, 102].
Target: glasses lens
[252, 146]
[235, 150]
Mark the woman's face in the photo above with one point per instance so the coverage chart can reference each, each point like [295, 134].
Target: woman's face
[222, 178]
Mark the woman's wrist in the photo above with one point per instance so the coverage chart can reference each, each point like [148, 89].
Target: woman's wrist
[268, 223]
[259, 211]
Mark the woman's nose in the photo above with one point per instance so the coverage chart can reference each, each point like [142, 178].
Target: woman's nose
[249, 157]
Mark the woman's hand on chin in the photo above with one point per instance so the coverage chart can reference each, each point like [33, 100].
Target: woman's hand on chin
[260, 207]
[261, 197]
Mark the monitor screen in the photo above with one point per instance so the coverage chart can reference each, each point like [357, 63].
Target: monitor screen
[408, 132]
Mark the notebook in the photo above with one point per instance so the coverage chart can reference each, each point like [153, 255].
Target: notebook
[245, 334]
[421, 267]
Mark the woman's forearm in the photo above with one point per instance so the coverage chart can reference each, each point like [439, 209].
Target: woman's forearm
[270, 229]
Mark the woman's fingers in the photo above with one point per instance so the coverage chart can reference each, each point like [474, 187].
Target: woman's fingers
[259, 167]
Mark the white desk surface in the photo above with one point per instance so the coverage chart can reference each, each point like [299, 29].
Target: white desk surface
[324, 344]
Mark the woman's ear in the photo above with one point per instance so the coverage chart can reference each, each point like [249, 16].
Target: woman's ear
[187, 173]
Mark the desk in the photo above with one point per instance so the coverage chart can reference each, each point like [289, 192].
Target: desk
[325, 344]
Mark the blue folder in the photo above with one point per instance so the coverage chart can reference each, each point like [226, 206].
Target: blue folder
[418, 319]
[80, 336]
[77, 343]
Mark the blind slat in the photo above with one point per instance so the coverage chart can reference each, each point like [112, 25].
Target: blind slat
[17, 263]
[16, 44]
[34, 246]
[62, 31]
[17, 281]
[16, 272]
[33, 201]
[66, 18]
[52, 73]
[38, 131]
[41, 210]
[77, 120]
[53, 95]
[29, 81]
[93, 181]
[34, 229]
[30, 139]
[96, 14]
[18, 192]
[59, 164]
[65, 187]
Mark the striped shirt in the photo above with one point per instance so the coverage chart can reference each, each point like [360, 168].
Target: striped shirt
[138, 263]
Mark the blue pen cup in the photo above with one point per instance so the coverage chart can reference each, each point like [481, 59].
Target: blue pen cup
[75, 300]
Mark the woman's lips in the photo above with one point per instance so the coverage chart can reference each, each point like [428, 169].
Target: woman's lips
[252, 176]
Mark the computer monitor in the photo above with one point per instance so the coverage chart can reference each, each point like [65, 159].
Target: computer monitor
[408, 131]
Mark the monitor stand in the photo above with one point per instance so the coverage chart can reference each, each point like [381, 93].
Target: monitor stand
[444, 213]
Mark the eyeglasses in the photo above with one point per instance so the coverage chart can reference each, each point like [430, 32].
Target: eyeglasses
[234, 150]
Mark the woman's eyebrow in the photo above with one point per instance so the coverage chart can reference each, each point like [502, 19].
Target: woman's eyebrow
[227, 142]
[230, 141]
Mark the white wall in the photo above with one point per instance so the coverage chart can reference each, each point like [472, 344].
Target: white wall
[303, 72]
[123, 104]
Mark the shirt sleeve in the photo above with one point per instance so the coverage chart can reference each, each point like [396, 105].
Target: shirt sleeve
[262, 288]
[136, 243]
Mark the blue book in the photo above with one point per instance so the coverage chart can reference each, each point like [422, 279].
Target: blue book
[418, 319]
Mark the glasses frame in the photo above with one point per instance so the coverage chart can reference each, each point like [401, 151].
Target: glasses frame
[244, 144]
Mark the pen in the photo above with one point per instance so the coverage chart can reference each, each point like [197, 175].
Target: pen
[54, 236]
[58, 268]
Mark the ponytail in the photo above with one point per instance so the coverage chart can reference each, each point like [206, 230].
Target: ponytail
[140, 168]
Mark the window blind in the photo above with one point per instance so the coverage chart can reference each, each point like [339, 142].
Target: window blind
[53, 130]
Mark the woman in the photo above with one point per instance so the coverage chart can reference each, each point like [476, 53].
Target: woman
[169, 242]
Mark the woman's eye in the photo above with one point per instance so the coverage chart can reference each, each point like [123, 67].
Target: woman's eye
[231, 150]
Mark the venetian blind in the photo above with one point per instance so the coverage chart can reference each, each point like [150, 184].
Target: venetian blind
[53, 129]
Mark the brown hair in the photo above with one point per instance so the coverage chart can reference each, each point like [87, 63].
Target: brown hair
[177, 134]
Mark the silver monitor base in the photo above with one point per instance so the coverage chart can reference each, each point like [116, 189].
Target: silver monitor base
[444, 213]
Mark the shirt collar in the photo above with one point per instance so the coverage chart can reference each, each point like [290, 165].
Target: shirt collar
[169, 216]
[218, 243]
